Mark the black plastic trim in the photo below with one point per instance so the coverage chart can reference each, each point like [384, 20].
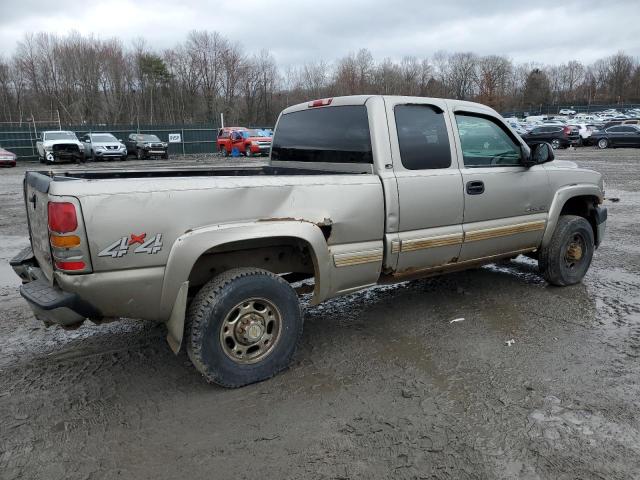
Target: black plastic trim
[39, 181]
[601, 215]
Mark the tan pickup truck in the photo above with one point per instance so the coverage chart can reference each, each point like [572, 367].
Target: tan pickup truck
[359, 190]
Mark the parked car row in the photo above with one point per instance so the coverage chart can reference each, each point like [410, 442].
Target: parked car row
[59, 146]
[237, 141]
[7, 158]
[603, 129]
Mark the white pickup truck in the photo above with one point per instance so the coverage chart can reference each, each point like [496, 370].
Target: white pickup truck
[359, 190]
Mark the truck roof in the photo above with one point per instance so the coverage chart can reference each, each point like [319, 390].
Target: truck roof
[362, 99]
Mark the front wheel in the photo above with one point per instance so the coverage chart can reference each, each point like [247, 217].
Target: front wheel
[247, 151]
[603, 143]
[243, 327]
[225, 153]
[567, 258]
[139, 154]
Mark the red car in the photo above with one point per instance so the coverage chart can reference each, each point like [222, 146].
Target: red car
[248, 142]
[7, 158]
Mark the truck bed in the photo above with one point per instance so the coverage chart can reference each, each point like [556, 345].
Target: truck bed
[113, 173]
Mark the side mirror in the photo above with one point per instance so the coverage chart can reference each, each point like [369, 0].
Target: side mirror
[541, 152]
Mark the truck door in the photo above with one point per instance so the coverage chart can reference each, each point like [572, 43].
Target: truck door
[429, 184]
[505, 203]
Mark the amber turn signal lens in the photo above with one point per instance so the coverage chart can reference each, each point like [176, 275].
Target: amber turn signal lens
[65, 242]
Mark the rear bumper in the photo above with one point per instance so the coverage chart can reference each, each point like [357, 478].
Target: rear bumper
[49, 303]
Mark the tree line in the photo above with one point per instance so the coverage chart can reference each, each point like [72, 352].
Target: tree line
[86, 80]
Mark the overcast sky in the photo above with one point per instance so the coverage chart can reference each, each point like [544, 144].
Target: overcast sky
[296, 31]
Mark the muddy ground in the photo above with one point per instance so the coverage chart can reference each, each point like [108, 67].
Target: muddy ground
[383, 386]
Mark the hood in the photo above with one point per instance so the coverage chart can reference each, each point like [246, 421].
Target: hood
[48, 143]
[107, 144]
[260, 139]
[563, 164]
[7, 153]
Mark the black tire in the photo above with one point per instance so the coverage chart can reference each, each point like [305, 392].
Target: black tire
[218, 300]
[224, 152]
[557, 262]
[602, 143]
[140, 154]
[247, 152]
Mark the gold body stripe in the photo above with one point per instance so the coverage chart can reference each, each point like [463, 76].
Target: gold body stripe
[431, 242]
[357, 258]
[370, 256]
[487, 233]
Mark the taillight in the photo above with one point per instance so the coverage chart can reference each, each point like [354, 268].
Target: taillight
[62, 265]
[566, 130]
[320, 103]
[68, 254]
[62, 217]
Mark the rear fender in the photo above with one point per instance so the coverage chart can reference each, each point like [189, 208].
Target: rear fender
[190, 246]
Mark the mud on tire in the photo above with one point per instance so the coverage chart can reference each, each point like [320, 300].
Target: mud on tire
[567, 258]
[236, 302]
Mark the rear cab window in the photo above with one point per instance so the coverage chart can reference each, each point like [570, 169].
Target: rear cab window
[337, 134]
[422, 137]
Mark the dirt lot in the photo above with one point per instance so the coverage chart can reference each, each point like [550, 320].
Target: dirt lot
[383, 386]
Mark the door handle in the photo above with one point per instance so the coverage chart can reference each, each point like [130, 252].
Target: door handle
[475, 187]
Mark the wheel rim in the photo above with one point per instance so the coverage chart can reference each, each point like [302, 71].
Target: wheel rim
[602, 143]
[575, 250]
[248, 152]
[251, 330]
[555, 144]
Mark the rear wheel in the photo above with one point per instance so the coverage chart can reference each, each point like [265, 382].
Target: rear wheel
[555, 144]
[247, 151]
[243, 327]
[567, 258]
[603, 143]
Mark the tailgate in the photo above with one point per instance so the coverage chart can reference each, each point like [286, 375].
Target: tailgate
[36, 189]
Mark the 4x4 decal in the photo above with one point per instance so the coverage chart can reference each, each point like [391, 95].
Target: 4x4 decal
[120, 247]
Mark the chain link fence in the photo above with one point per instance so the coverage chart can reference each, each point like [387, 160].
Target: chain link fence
[185, 139]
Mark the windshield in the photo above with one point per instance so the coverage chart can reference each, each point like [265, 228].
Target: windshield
[103, 137]
[60, 136]
[148, 138]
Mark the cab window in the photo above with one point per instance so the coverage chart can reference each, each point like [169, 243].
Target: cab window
[485, 143]
[422, 137]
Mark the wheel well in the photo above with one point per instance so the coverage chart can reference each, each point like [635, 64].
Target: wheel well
[583, 206]
[289, 257]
